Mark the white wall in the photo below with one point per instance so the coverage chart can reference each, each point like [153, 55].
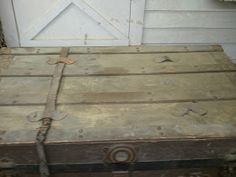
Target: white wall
[191, 22]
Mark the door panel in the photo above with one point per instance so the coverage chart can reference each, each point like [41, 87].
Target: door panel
[72, 22]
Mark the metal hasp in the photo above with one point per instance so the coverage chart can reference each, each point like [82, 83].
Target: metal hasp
[49, 112]
[121, 154]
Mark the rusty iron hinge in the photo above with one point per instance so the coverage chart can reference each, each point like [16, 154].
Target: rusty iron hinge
[64, 60]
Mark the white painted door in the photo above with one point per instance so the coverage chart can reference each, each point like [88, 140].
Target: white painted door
[78, 22]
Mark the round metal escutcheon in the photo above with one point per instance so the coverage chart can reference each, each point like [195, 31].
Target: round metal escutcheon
[121, 154]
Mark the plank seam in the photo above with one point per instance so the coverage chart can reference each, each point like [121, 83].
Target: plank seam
[74, 53]
[127, 74]
[128, 103]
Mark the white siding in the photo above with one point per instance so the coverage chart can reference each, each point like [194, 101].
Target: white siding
[191, 22]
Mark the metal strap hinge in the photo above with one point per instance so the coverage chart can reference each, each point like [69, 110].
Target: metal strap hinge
[37, 116]
[50, 114]
[64, 60]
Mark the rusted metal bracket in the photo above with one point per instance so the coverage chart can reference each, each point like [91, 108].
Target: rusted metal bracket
[64, 60]
[49, 114]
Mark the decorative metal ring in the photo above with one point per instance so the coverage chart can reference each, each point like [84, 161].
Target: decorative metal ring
[121, 154]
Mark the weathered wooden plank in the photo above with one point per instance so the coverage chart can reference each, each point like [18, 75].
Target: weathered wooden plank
[121, 89]
[112, 50]
[114, 122]
[157, 173]
[15, 126]
[119, 64]
[124, 122]
[29, 50]
[159, 152]
[151, 88]
[167, 173]
[149, 49]
[15, 90]
[26, 65]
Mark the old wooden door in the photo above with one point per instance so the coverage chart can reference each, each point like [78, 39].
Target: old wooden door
[78, 22]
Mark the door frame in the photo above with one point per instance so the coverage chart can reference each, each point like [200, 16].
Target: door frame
[9, 26]
[11, 32]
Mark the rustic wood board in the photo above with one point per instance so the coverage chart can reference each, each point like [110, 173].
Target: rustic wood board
[123, 121]
[133, 49]
[121, 89]
[159, 173]
[165, 100]
[117, 64]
